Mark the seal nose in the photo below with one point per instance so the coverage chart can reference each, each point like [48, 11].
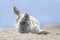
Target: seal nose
[23, 22]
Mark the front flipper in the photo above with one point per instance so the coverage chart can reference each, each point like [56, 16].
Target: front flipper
[17, 12]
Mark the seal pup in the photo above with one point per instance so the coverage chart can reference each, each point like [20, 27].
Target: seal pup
[26, 23]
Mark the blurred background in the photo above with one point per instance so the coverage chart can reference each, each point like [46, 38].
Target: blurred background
[46, 11]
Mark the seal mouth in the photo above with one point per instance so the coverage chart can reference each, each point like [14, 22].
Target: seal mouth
[24, 26]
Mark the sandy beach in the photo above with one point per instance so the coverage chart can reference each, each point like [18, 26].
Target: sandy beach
[11, 34]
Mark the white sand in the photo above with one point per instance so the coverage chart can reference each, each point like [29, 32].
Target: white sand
[11, 34]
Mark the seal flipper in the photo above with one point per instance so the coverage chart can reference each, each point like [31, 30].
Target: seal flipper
[17, 12]
[43, 32]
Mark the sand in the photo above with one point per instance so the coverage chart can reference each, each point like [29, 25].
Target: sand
[11, 34]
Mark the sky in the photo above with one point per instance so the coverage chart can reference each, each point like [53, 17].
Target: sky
[45, 11]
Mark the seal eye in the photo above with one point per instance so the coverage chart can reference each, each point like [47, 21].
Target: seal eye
[25, 19]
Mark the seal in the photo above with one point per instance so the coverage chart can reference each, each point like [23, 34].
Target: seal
[26, 23]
